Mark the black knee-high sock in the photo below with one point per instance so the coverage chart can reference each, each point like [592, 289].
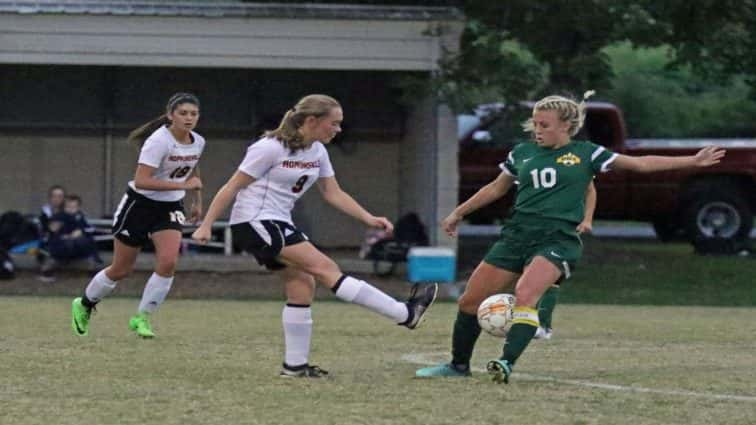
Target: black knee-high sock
[466, 332]
[546, 306]
[523, 328]
[86, 302]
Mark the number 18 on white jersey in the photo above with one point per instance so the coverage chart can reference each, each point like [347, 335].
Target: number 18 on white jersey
[172, 160]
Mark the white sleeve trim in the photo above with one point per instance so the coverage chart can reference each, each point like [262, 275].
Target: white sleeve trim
[503, 166]
[607, 163]
[505, 169]
[597, 152]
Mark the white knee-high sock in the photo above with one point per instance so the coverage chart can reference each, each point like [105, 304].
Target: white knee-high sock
[360, 292]
[154, 293]
[297, 326]
[99, 287]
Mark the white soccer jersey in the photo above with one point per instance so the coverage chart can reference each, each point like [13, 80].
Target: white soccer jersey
[174, 161]
[281, 177]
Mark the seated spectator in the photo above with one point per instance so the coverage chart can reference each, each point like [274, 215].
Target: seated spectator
[70, 237]
[55, 197]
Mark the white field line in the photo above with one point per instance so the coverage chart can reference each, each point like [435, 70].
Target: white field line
[426, 359]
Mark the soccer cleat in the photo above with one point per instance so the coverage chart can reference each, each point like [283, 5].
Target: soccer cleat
[499, 370]
[302, 371]
[543, 333]
[446, 370]
[418, 303]
[141, 325]
[80, 315]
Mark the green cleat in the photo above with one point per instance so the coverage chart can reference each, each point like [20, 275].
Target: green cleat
[80, 317]
[141, 325]
[445, 370]
[499, 370]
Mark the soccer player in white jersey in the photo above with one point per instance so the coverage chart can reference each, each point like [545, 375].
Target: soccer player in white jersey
[276, 171]
[152, 209]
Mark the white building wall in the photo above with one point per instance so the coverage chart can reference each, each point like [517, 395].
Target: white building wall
[208, 42]
[33, 163]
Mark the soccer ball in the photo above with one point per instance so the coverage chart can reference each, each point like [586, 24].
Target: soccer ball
[495, 314]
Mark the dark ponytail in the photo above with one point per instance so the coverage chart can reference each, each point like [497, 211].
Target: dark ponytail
[138, 136]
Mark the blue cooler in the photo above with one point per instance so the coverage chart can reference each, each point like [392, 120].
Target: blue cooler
[431, 264]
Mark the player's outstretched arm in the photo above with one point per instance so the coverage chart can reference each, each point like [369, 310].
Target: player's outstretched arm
[706, 157]
[220, 202]
[586, 226]
[196, 209]
[342, 201]
[487, 194]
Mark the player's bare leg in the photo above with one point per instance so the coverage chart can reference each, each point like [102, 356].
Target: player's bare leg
[309, 259]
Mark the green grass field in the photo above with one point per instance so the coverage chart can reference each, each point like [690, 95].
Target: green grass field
[645, 272]
[216, 362]
[651, 273]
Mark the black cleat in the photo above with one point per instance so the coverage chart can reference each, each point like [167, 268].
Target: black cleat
[302, 371]
[418, 303]
[499, 370]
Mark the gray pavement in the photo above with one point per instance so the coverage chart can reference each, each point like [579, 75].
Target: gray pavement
[635, 231]
[346, 259]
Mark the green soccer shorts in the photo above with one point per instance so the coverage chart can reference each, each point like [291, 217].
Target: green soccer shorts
[519, 243]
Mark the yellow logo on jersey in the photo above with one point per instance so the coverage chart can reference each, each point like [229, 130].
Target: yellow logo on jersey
[569, 159]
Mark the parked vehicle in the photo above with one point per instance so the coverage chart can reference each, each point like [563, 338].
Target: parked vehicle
[710, 203]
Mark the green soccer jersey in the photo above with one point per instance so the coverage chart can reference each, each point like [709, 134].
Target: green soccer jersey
[551, 183]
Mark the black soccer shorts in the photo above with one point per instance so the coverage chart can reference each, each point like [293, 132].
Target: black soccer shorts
[138, 216]
[265, 239]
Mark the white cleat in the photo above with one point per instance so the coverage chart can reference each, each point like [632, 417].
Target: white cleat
[543, 333]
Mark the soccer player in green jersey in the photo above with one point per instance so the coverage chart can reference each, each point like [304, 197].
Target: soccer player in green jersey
[539, 245]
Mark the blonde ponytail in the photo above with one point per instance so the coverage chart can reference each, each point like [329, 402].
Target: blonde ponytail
[567, 109]
[317, 105]
[581, 110]
[288, 130]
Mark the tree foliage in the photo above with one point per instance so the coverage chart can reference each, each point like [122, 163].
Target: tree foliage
[715, 37]
[566, 41]
[659, 100]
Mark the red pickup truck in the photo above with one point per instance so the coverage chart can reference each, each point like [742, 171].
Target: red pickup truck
[694, 204]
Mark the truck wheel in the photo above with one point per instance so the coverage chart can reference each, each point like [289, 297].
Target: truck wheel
[718, 213]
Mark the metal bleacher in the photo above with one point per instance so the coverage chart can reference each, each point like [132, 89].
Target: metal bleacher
[103, 225]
